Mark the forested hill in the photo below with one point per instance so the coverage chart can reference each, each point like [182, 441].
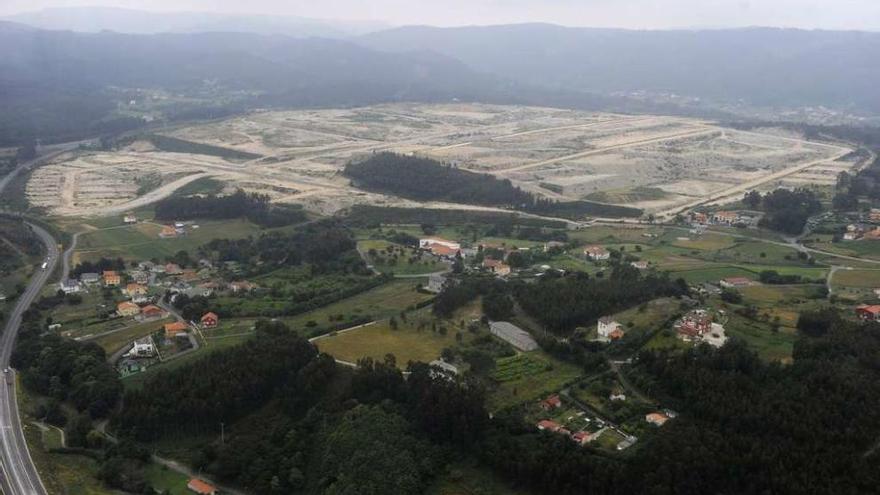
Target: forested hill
[758, 66]
[425, 179]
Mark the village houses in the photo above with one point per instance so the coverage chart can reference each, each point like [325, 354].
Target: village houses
[608, 329]
[127, 308]
[112, 278]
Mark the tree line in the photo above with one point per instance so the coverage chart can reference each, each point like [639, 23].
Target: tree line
[253, 206]
[425, 179]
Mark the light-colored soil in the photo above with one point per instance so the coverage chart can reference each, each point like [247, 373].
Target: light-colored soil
[572, 153]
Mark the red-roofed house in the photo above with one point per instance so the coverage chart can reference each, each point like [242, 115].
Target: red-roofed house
[175, 329]
[173, 269]
[656, 418]
[547, 425]
[582, 437]
[868, 312]
[552, 402]
[111, 278]
[152, 311]
[210, 320]
[200, 487]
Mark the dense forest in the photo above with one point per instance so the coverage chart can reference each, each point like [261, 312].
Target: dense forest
[64, 369]
[324, 244]
[255, 207]
[561, 303]
[425, 179]
[785, 210]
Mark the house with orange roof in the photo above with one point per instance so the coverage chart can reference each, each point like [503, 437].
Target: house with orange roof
[582, 437]
[175, 329]
[132, 290]
[111, 278]
[656, 418]
[548, 425]
[725, 217]
[152, 312]
[550, 403]
[868, 312]
[127, 309]
[200, 487]
[732, 282]
[210, 320]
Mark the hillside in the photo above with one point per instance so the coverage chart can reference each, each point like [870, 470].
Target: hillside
[762, 66]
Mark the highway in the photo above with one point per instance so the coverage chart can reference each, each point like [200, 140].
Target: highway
[20, 477]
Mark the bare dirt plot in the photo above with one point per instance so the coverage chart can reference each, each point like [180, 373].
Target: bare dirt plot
[559, 154]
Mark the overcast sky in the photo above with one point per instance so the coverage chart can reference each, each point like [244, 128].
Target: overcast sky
[827, 14]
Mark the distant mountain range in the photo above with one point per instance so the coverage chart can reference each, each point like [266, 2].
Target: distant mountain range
[96, 19]
[760, 66]
[61, 84]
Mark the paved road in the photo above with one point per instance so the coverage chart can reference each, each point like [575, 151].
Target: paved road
[20, 477]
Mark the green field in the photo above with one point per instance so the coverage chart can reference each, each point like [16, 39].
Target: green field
[534, 383]
[166, 481]
[117, 340]
[377, 340]
[856, 278]
[141, 242]
[403, 261]
[772, 346]
[517, 367]
[379, 303]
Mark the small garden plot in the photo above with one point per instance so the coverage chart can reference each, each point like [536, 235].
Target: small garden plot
[517, 367]
[609, 439]
[520, 381]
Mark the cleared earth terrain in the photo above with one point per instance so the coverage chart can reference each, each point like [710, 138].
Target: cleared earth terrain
[657, 163]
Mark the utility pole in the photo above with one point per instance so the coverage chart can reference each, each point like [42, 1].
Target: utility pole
[222, 433]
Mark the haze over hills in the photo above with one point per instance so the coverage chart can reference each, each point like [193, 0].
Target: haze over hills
[761, 66]
[96, 19]
[58, 84]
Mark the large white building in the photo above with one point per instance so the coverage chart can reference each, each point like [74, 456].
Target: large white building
[513, 335]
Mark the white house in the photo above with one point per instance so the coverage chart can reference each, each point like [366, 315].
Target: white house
[142, 348]
[608, 328]
[70, 286]
[597, 253]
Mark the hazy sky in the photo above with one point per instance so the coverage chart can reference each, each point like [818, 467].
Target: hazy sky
[828, 14]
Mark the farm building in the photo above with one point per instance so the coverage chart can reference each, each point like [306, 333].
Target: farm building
[513, 335]
[168, 232]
